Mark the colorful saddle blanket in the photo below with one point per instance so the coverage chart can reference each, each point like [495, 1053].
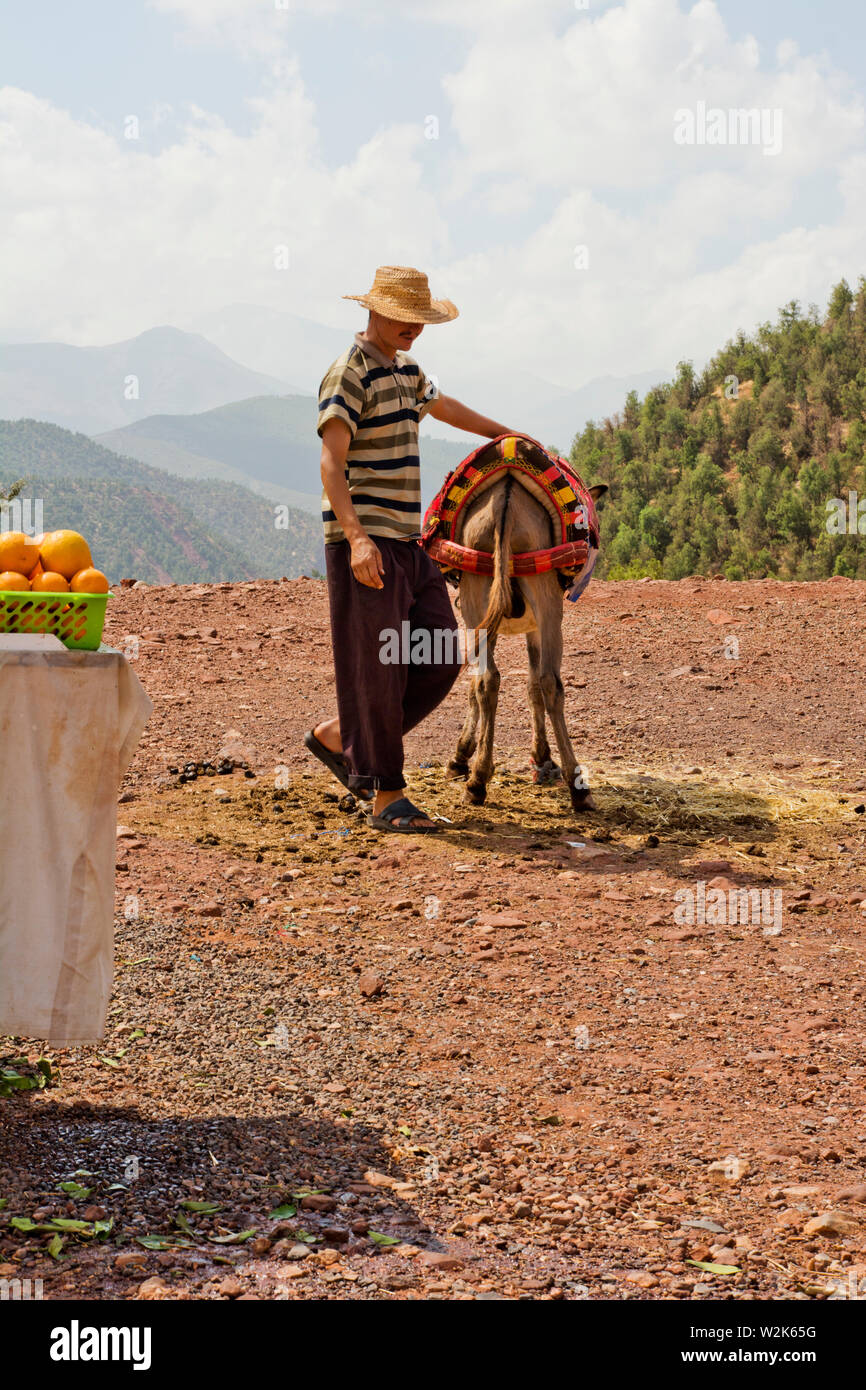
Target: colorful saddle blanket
[550, 478]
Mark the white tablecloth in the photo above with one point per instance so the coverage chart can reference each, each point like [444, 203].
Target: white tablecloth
[69, 725]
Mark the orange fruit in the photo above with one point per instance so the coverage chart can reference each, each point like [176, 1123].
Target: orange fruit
[36, 571]
[89, 581]
[11, 579]
[65, 552]
[17, 552]
[47, 583]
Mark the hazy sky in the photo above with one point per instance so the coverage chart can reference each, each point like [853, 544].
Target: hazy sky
[262, 125]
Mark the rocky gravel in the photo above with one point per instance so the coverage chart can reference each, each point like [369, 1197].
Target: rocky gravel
[514, 1060]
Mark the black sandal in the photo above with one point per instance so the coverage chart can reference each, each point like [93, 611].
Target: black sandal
[398, 816]
[336, 764]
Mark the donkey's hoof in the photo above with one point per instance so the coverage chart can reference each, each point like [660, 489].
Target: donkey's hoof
[456, 769]
[582, 800]
[475, 794]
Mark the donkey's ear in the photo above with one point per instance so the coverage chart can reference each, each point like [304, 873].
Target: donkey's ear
[597, 490]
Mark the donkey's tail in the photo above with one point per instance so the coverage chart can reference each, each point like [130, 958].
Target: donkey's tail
[499, 603]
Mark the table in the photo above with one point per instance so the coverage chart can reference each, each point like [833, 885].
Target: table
[69, 725]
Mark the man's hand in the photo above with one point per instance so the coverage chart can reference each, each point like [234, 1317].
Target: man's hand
[367, 564]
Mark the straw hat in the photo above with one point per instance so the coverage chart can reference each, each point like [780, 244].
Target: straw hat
[401, 293]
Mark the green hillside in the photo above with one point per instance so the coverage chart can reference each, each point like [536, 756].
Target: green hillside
[173, 458]
[269, 442]
[145, 523]
[731, 472]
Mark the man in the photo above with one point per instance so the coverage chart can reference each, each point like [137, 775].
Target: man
[371, 401]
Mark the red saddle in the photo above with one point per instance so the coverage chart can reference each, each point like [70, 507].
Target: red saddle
[549, 477]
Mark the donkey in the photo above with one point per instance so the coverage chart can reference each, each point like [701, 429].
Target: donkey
[504, 519]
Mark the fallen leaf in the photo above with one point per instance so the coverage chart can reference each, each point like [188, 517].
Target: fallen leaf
[714, 1269]
[237, 1238]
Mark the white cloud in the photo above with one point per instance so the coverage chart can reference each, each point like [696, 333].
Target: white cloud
[595, 106]
[101, 239]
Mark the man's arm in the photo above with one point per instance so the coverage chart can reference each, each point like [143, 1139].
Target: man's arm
[454, 412]
[367, 564]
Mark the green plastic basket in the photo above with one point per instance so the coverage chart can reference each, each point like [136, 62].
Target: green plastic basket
[77, 619]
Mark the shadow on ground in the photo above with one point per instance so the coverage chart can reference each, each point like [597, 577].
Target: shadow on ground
[519, 817]
[140, 1170]
[306, 821]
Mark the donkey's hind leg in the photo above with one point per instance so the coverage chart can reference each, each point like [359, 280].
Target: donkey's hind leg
[547, 609]
[487, 689]
[472, 596]
[459, 764]
[544, 769]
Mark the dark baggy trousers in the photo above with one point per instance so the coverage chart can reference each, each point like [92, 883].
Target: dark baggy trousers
[380, 698]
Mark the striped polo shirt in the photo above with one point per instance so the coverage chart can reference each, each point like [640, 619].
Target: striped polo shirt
[382, 401]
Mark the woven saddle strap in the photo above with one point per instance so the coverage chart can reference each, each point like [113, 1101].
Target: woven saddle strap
[450, 555]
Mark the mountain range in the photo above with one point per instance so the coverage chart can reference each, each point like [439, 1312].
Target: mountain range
[272, 340]
[92, 389]
[268, 444]
[147, 524]
[246, 352]
[170, 449]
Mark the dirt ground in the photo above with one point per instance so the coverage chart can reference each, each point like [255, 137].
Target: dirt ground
[494, 1063]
